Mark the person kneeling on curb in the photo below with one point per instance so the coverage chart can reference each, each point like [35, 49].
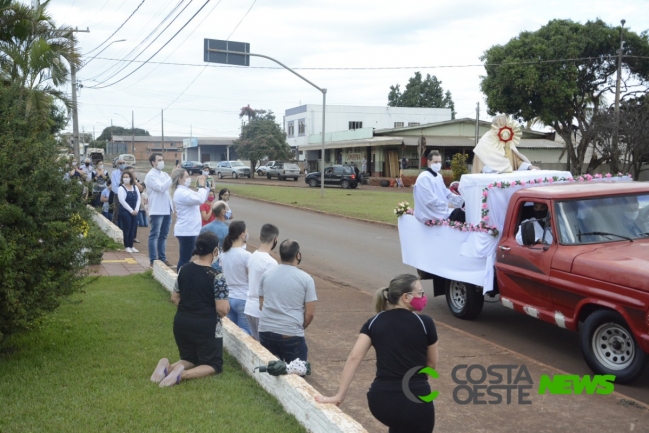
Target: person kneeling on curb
[201, 295]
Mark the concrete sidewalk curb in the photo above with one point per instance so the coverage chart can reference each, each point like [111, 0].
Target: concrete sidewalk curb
[293, 392]
[394, 226]
[110, 229]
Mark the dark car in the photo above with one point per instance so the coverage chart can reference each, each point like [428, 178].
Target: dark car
[342, 175]
[192, 167]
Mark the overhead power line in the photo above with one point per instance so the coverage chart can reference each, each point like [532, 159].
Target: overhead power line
[118, 29]
[154, 54]
[362, 68]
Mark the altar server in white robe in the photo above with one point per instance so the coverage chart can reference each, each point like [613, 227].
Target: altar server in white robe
[496, 151]
[431, 196]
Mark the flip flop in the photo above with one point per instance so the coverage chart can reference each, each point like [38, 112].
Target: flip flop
[160, 371]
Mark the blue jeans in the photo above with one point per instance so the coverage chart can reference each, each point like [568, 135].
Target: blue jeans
[158, 237]
[186, 244]
[141, 219]
[285, 348]
[237, 316]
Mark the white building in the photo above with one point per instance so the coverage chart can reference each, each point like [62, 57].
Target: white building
[300, 122]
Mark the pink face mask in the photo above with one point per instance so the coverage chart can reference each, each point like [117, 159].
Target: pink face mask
[418, 304]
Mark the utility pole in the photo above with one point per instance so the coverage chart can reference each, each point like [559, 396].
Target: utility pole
[162, 116]
[132, 132]
[617, 88]
[75, 113]
[477, 122]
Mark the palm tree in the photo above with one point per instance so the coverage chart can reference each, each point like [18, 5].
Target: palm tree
[34, 54]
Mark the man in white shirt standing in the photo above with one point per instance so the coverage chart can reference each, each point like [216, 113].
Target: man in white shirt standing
[431, 195]
[260, 262]
[160, 208]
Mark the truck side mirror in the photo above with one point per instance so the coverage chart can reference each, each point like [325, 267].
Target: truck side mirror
[528, 234]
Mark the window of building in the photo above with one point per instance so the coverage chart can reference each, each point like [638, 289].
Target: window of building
[301, 127]
[413, 123]
[355, 125]
[291, 129]
[398, 124]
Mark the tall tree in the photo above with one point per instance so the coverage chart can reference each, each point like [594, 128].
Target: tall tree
[119, 130]
[35, 54]
[262, 138]
[534, 76]
[426, 93]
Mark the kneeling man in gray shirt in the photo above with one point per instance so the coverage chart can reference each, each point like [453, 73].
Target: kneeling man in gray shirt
[287, 303]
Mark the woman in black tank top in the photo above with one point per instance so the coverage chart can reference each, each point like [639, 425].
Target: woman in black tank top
[405, 343]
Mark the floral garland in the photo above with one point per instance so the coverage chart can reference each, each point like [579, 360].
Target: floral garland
[484, 211]
[465, 227]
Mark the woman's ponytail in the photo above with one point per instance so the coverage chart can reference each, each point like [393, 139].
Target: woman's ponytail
[381, 300]
[388, 297]
[234, 231]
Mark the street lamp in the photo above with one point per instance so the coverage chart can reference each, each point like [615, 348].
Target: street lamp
[106, 47]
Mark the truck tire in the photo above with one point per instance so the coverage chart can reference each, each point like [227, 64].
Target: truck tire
[608, 347]
[463, 299]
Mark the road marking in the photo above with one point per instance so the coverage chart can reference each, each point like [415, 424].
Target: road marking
[129, 261]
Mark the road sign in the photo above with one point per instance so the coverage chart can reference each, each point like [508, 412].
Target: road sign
[226, 58]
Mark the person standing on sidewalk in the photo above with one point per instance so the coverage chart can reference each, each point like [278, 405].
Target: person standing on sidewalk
[260, 262]
[404, 342]
[129, 200]
[188, 215]
[287, 302]
[207, 216]
[160, 208]
[115, 182]
[234, 262]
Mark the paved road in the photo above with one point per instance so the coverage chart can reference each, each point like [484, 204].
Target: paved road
[367, 256]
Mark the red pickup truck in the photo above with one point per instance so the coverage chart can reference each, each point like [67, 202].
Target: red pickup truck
[576, 255]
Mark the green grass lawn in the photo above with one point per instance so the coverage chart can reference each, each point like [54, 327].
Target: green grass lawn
[357, 203]
[87, 369]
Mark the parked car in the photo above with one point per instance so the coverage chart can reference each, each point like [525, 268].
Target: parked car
[234, 169]
[284, 170]
[115, 161]
[263, 169]
[192, 167]
[342, 175]
[129, 159]
[212, 165]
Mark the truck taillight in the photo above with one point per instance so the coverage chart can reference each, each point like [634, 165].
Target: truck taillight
[353, 176]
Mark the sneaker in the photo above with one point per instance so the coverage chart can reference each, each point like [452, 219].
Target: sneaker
[128, 250]
[136, 240]
[133, 250]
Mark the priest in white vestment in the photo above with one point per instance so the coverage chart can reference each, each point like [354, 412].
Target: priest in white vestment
[496, 151]
[431, 195]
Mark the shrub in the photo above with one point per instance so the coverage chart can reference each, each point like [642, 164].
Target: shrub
[458, 165]
[41, 216]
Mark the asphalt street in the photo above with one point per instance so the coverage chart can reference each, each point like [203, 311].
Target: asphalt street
[366, 256]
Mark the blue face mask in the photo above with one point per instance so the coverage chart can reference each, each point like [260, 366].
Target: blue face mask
[122, 166]
[228, 214]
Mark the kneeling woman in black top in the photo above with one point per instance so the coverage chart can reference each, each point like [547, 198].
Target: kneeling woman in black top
[403, 341]
[201, 295]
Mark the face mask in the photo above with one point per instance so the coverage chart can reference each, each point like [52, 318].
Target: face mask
[274, 244]
[631, 215]
[127, 181]
[100, 167]
[228, 214]
[74, 162]
[122, 166]
[418, 304]
[215, 256]
[436, 167]
[206, 173]
[210, 198]
[160, 165]
[87, 164]
[540, 214]
[188, 181]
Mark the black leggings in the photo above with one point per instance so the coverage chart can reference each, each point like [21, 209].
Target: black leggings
[394, 410]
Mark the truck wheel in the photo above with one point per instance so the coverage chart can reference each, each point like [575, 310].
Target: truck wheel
[608, 347]
[464, 300]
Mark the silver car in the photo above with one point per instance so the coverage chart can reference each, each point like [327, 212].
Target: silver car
[234, 169]
[284, 170]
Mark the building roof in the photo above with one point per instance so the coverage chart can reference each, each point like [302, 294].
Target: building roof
[376, 141]
[171, 139]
